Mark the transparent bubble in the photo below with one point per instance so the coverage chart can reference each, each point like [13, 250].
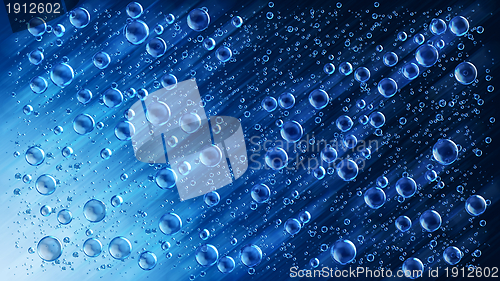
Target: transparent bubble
[276, 158]
[211, 156]
[79, 17]
[430, 220]
[390, 59]
[343, 251]
[92, 247]
[170, 223]
[402, 36]
[38, 85]
[375, 197]
[27, 109]
[46, 210]
[124, 130]
[292, 226]
[204, 234]
[206, 255]
[445, 151]
[59, 30]
[49, 248]
[101, 60]
[344, 123]
[36, 57]
[452, 255]
[403, 223]
[35, 156]
[169, 81]
[347, 169]
[67, 151]
[156, 47]
[184, 168]
[437, 26]
[94, 210]
[426, 55]
[475, 205]
[350, 141]
[46, 184]
[413, 268]
[190, 122]
[116, 200]
[406, 187]
[362, 74]
[319, 172]
[251, 255]
[37, 26]
[419, 39]
[260, 193]
[112, 97]
[269, 104]
[377, 119]
[120, 248]
[286, 100]
[304, 216]
[329, 154]
[209, 43]
[465, 73]
[329, 68]
[136, 32]
[64, 216]
[237, 21]
[147, 260]
[223, 54]
[291, 131]
[459, 25]
[410, 71]
[158, 113]
[387, 87]
[84, 96]
[106, 153]
[83, 124]
[345, 68]
[62, 74]
[134, 10]
[212, 198]
[165, 178]
[319, 99]
[198, 19]
[226, 264]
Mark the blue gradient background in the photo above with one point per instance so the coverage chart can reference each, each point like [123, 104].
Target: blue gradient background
[236, 89]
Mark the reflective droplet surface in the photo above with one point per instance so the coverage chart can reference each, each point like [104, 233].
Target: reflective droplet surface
[94, 210]
[459, 25]
[343, 251]
[62, 74]
[344, 123]
[79, 17]
[136, 32]
[260, 193]
[226, 264]
[169, 81]
[362, 74]
[286, 100]
[147, 260]
[251, 255]
[101, 60]
[116, 201]
[452, 255]
[406, 187]
[276, 158]
[387, 87]
[430, 220]
[112, 97]
[36, 57]
[120, 248]
[190, 122]
[475, 205]
[445, 151]
[38, 85]
[124, 130]
[291, 131]
[165, 178]
[347, 170]
[377, 119]
[34, 156]
[318, 98]
[437, 26]
[426, 55]
[156, 47]
[46, 210]
[64, 216]
[345, 68]
[410, 71]
[465, 73]
[292, 226]
[212, 198]
[198, 19]
[84, 96]
[211, 156]
[83, 124]
[46, 184]
[223, 54]
[209, 43]
[158, 113]
[37, 26]
[134, 10]
[92, 247]
[413, 268]
[49, 248]
[170, 223]
[206, 255]
[403, 223]
[375, 197]
[329, 154]
[390, 59]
